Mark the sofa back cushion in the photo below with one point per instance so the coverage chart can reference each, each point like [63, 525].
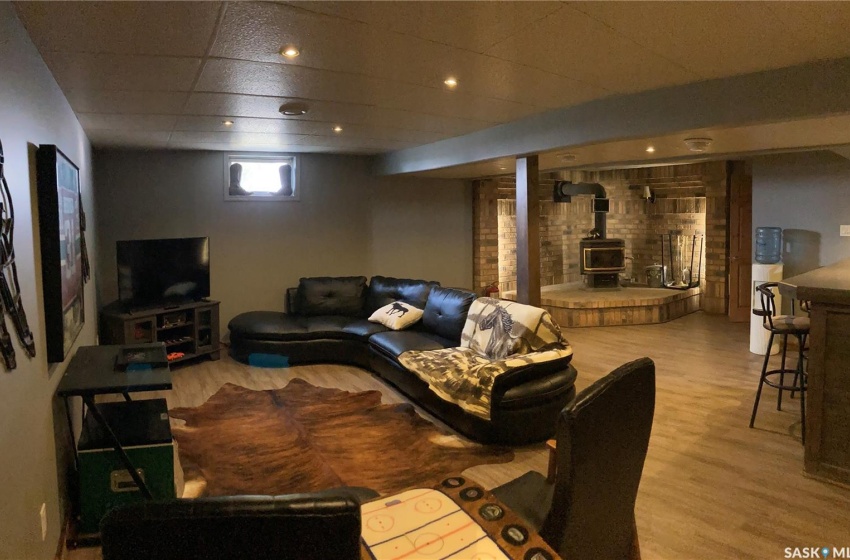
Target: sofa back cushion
[384, 291]
[446, 310]
[339, 295]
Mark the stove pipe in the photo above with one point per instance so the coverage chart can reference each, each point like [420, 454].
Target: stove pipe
[565, 190]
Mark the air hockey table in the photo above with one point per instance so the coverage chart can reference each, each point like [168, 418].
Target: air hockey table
[454, 520]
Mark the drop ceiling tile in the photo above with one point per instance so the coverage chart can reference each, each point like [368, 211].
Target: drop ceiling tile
[818, 30]
[164, 28]
[102, 121]
[497, 78]
[570, 43]
[341, 142]
[460, 104]
[122, 72]
[254, 78]
[236, 105]
[139, 102]
[416, 119]
[710, 39]
[255, 32]
[238, 138]
[224, 147]
[279, 125]
[302, 127]
[102, 138]
[225, 104]
[468, 25]
[386, 133]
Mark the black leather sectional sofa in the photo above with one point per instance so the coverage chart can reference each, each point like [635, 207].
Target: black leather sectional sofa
[326, 321]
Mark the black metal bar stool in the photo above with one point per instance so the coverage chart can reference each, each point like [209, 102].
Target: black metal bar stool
[782, 325]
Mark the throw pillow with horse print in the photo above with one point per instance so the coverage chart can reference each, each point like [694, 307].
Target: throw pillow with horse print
[498, 328]
[396, 316]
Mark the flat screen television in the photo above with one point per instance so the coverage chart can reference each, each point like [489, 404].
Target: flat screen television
[162, 272]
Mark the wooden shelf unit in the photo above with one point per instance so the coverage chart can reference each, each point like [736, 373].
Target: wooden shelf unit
[192, 328]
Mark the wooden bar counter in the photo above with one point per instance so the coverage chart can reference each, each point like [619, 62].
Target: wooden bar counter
[827, 453]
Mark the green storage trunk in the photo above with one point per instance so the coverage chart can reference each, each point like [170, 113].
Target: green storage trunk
[143, 430]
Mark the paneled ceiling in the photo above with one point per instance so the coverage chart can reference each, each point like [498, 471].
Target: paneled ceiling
[168, 74]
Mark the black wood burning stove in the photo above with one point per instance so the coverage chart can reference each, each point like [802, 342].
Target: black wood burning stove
[602, 261]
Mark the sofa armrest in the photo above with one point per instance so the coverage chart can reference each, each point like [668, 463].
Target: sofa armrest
[534, 381]
[290, 305]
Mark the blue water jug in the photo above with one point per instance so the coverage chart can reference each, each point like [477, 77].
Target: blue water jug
[768, 245]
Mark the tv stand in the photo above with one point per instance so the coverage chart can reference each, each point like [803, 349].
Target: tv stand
[191, 328]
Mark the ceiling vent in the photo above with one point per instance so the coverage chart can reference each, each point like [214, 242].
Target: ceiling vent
[293, 109]
[698, 144]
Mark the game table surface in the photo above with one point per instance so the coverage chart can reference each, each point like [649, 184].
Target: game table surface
[453, 519]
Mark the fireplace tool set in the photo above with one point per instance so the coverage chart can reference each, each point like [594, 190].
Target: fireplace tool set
[682, 274]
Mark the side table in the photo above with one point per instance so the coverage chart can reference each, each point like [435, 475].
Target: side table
[91, 372]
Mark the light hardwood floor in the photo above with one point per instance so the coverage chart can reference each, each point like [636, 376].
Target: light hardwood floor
[712, 488]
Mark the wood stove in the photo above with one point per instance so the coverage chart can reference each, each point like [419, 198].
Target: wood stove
[602, 261]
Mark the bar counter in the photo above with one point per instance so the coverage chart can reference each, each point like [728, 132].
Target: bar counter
[827, 453]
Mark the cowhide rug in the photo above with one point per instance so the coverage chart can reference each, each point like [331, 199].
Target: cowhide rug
[304, 438]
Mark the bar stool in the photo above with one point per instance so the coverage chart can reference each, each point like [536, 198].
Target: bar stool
[782, 325]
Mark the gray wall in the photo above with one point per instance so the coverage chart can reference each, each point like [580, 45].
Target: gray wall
[808, 195]
[422, 228]
[32, 470]
[348, 222]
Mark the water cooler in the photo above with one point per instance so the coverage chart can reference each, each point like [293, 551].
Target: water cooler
[758, 334]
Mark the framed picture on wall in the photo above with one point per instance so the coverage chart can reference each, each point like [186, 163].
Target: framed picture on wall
[62, 246]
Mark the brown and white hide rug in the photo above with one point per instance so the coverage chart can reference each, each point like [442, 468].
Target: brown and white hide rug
[304, 438]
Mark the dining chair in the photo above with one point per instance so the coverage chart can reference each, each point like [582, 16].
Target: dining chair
[587, 511]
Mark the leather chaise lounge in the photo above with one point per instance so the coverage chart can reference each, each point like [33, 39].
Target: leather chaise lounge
[325, 321]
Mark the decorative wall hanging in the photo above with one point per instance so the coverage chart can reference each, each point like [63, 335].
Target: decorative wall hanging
[10, 289]
[64, 263]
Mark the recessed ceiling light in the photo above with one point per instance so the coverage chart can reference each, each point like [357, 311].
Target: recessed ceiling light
[650, 149]
[698, 144]
[567, 157]
[337, 128]
[293, 109]
[502, 167]
[227, 123]
[450, 82]
[290, 51]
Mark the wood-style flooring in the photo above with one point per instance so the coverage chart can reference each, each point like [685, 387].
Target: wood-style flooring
[712, 488]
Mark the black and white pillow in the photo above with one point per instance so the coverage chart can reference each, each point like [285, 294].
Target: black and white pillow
[397, 315]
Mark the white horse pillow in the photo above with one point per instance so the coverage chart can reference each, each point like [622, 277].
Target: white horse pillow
[397, 315]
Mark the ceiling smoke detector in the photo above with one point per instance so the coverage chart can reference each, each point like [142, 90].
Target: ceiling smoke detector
[293, 109]
[698, 144]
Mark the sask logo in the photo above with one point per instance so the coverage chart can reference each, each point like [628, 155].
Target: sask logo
[817, 552]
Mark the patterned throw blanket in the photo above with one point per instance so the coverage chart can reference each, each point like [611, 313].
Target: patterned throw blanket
[498, 336]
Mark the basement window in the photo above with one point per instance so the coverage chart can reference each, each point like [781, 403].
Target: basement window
[251, 177]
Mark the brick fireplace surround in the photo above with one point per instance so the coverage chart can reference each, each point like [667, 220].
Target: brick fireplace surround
[689, 199]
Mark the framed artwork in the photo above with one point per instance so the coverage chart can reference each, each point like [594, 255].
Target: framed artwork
[62, 249]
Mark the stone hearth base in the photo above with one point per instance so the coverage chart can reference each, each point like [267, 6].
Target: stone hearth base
[572, 306]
